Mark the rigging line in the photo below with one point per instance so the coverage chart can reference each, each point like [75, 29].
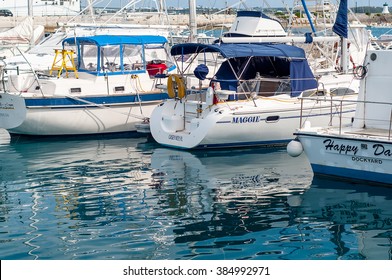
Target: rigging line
[86, 8]
[103, 106]
[31, 67]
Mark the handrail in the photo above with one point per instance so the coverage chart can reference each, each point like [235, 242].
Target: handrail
[352, 102]
[390, 124]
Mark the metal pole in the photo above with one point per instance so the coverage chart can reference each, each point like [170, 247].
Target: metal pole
[390, 123]
[340, 117]
[30, 14]
[300, 117]
[192, 21]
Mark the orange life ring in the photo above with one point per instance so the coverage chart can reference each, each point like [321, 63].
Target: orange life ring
[175, 86]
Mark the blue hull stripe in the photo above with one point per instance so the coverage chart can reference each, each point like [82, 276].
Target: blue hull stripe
[245, 144]
[283, 118]
[352, 173]
[101, 100]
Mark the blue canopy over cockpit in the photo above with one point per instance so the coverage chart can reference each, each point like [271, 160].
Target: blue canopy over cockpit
[273, 60]
[241, 50]
[106, 40]
[119, 54]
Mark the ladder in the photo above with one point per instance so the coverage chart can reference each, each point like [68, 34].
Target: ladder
[61, 62]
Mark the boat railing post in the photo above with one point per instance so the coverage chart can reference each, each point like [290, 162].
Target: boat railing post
[340, 117]
[300, 116]
[331, 112]
[2, 76]
[390, 124]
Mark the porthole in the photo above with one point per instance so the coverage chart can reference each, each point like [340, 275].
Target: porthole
[272, 119]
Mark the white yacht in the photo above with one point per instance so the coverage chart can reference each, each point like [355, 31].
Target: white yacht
[362, 150]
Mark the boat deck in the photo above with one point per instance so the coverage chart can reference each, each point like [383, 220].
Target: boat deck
[370, 133]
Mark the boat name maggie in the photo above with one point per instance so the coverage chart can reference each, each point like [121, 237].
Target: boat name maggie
[175, 137]
[254, 119]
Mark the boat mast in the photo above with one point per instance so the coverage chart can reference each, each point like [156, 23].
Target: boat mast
[308, 16]
[91, 8]
[192, 21]
[341, 28]
[30, 15]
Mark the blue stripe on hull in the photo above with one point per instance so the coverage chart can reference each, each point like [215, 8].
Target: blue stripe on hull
[101, 100]
[352, 173]
[284, 118]
[245, 144]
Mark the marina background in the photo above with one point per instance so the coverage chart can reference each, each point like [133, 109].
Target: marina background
[127, 198]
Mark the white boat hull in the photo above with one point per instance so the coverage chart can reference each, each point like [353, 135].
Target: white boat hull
[272, 122]
[84, 119]
[104, 92]
[348, 156]
[363, 150]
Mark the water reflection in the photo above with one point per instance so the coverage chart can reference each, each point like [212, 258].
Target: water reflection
[237, 191]
[362, 212]
[129, 198]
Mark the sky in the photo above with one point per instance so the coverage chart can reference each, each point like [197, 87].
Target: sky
[249, 3]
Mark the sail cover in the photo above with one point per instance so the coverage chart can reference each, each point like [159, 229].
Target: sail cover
[341, 22]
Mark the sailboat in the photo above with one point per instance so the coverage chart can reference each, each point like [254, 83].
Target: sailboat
[97, 85]
[254, 98]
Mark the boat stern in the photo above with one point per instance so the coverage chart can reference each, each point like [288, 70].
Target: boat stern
[12, 110]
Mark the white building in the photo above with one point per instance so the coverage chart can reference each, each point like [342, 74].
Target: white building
[385, 9]
[42, 7]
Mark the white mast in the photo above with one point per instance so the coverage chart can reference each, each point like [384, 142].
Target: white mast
[30, 15]
[90, 6]
[192, 21]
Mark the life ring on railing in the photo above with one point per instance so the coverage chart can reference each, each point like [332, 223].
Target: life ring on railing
[175, 86]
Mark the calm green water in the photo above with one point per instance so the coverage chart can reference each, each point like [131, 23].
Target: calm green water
[129, 198]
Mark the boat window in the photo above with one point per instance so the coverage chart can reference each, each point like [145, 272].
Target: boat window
[133, 57]
[119, 89]
[313, 93]
[272, 119]
[75, 90]
[341, 91]
[268, 88]
[284, 87]
[88, 56]
[153, 54]
[110, 58]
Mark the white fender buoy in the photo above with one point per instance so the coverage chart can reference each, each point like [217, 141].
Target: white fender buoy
[294, 148]
[210, 96]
